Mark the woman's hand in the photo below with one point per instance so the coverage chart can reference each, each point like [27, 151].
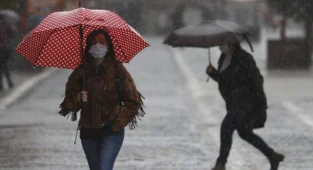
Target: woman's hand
[115, 111]
[83, 96]
[210, 69]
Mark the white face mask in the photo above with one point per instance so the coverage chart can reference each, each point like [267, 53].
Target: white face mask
[98, 51]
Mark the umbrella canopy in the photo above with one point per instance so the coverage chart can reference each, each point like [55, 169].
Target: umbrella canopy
[208, 34]
[61, 37]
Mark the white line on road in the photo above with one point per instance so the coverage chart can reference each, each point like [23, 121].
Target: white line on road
[203, 110]
[194, 87]
[24, 88]
[300, 113]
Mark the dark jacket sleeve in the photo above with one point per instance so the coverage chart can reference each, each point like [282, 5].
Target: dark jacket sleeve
[131, 100]
[71, 103]
[214, 75]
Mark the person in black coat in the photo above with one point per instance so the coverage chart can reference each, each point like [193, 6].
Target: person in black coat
[241, 86]
[6, 35]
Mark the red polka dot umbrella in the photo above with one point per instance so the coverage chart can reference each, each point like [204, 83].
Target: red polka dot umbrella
[56, 42]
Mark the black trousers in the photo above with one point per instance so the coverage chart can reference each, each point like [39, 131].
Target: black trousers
[229, 125]
[5, 53]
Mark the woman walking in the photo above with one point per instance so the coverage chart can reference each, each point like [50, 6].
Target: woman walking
[241, 86]
[105, 93]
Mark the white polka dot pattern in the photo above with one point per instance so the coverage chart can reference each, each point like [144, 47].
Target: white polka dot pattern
[56, 41]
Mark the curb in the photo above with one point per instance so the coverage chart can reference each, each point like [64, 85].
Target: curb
[26, 86]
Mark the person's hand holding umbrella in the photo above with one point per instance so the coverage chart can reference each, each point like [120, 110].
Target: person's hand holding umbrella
[83, 96]
[210, 69]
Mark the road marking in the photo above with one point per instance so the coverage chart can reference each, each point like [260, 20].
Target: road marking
[24, 88]
[300, 113]
[194, 87]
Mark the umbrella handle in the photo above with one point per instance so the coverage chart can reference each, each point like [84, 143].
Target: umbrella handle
[209, 56]
[82, 53]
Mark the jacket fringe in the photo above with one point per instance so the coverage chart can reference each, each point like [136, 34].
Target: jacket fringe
[140, 114]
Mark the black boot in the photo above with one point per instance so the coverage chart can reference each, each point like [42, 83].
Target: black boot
[275, 159]
[219, 166]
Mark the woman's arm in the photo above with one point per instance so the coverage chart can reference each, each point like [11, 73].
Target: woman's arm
[213, 73]
[71, 103]
[131, 99]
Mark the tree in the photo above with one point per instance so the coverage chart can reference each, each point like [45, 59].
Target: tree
[301, 10]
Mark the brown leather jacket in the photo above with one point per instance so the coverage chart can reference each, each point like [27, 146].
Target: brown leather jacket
[104, 97]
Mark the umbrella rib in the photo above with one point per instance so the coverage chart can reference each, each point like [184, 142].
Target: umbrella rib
[117, 44]
[234, 33]
[53, 31]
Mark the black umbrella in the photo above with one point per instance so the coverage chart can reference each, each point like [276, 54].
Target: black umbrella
[208, 34]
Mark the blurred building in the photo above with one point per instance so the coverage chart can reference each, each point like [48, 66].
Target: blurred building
[248, 13]
[159, 16]
[37, 10]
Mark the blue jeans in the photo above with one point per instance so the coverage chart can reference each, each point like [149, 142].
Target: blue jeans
[102, 153]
